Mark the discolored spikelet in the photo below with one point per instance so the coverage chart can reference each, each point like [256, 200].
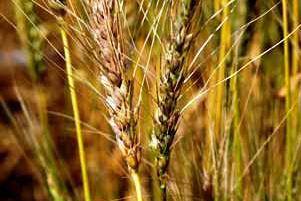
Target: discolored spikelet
[171, 81]
[119, 89]
[105, 32]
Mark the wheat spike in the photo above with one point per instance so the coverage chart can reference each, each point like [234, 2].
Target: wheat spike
[119, 88]
[31, 38]
[171, 81]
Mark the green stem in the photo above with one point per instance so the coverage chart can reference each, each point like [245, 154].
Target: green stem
[76, 115]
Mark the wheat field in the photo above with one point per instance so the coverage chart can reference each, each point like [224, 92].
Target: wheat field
[106, 100]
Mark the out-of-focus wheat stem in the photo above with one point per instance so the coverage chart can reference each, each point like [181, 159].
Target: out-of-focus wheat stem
[289, 139]
[237, 152]
[295, 66]
[224, 45]
[216, 5]
[44, 150]
[235, 96]
[295, 63]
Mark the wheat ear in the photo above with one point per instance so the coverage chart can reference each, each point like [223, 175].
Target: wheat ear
[119, 88]
[171, 81]
[27, 22]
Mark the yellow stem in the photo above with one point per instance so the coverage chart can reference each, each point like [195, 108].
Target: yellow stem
[287, 105]
[216, 5]
[221, 72]
[295, 37]
[76, 115]
[137, 184]
[295, 65]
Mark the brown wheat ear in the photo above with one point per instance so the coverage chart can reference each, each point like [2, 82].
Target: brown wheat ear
[119, 88]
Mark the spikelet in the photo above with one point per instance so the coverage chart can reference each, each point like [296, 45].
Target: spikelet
[171, 81]
[119, 89]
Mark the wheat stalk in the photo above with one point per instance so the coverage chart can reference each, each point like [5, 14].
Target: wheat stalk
[59, 7]
[289, 139]
[171, 81]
